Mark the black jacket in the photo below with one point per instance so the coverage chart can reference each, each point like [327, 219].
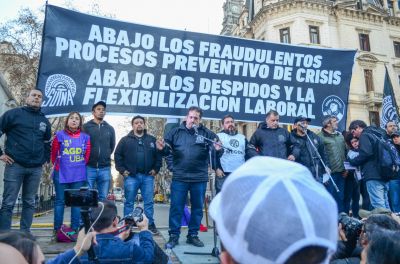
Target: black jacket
[368, 157]
[190, 155]
[125, 158]
[102, 140]
[28, 136]
[278, 143]
[307, 156]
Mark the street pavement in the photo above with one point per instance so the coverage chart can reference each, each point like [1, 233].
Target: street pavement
[43, 225]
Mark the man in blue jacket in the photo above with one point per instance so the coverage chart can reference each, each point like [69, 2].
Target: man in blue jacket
[190, 158]
[102, 140]
[138, 161]
[109, 247]
[27, 148]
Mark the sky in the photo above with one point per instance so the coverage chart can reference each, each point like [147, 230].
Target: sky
[203, 16]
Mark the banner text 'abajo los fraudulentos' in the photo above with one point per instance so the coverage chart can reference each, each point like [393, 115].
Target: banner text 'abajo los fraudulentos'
[153, 71]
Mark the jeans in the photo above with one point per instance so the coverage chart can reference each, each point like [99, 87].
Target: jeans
[99, 177]
[366, 203]
[394, 195]
[351, 195]
[145, 183]
[338, 196]
[179, 192]
[16, 175]
[378, 193]
[59, 203]
[219, 181]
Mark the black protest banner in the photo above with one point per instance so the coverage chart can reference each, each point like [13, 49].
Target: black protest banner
[154, 71]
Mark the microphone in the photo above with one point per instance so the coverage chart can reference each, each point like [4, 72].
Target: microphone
[195, 127]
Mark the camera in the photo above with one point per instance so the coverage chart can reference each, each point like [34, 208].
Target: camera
[351, 226]
[134, 217]
[83, 197]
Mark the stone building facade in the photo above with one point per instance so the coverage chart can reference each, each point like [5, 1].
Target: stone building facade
[369, 26]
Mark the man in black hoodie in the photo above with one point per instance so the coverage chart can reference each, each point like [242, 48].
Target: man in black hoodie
[377, 187]
[102, 140]
[271, 140]
[138, 160]
[27, 148]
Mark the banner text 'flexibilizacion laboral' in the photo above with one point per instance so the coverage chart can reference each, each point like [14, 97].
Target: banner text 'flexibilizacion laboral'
[148, 70]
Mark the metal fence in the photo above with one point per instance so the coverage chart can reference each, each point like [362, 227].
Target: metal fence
[40, 205]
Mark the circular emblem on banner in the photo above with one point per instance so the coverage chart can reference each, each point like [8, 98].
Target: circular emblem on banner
[60, 90]
[333, 105]
[388, 111]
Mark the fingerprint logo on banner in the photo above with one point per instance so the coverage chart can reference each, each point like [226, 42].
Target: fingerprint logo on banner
[60, 90]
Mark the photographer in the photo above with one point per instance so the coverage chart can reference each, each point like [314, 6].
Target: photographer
[113, 248]
[348, 250]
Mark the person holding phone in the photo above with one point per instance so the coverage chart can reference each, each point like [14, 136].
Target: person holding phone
[70, 153]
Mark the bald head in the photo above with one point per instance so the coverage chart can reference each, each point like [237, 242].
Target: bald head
[10, 255]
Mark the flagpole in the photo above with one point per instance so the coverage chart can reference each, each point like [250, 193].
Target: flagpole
[41, 49]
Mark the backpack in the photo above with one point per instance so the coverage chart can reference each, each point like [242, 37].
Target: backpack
[388, 159]
[66, 234]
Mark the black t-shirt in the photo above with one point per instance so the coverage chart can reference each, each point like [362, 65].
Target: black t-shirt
[140, 156]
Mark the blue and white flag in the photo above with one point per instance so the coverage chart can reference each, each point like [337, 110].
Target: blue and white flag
[160, 72]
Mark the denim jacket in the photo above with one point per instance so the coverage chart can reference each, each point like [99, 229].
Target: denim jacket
[111, 249]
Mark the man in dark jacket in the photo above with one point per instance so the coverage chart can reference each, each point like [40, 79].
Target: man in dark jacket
[190, 157]
[308, 156]
[27, 148]
[109, 247]
[102, 139]
[377, 187]
[138, 160]
[394, 184]
[271, 140]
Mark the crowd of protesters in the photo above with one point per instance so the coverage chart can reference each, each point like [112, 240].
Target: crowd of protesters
[344, 168]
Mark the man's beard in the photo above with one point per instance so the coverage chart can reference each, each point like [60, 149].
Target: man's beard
[231, 130]
[139, 130]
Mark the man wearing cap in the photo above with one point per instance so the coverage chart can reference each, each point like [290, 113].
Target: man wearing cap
[394, 184]
[102, 138]
[308, 156]
[335, 150]
[283, 216]
[271, 140]
[27, 148]
[234, 154]
[377, 187]
[138, 161]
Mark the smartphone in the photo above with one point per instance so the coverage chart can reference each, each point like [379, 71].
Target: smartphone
[83, 197]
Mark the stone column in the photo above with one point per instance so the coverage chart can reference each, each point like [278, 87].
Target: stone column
[395, 7]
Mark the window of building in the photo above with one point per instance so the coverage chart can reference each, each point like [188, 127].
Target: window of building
[314, 35]
[396, 46]
[374, 118]
[364, 42]
[284, 35]
[369, 80]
